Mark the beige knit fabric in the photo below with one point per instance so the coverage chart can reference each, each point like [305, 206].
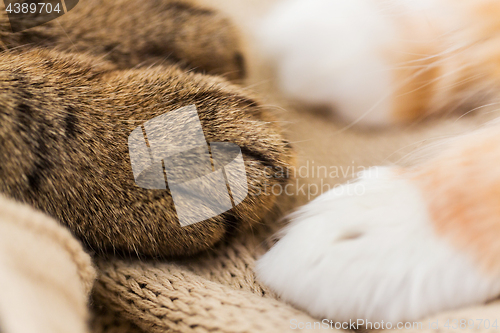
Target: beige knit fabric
[45, 275]
[472, 319]
[214, 292]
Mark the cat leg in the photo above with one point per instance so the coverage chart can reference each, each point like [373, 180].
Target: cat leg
[398, 244]
[66, 149]
[369, 62]
[141, 33]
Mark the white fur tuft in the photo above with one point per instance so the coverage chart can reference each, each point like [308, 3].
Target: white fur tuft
[331, 52]
[371, 255]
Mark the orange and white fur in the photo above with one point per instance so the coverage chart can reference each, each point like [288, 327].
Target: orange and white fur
[418, 240]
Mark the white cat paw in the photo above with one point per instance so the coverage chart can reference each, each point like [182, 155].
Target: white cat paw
[368, 250]
[332, 53]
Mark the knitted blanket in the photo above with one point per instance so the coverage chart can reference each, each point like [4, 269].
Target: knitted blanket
[47, 277]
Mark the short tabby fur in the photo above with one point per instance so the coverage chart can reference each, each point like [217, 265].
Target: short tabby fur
[71, 92]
